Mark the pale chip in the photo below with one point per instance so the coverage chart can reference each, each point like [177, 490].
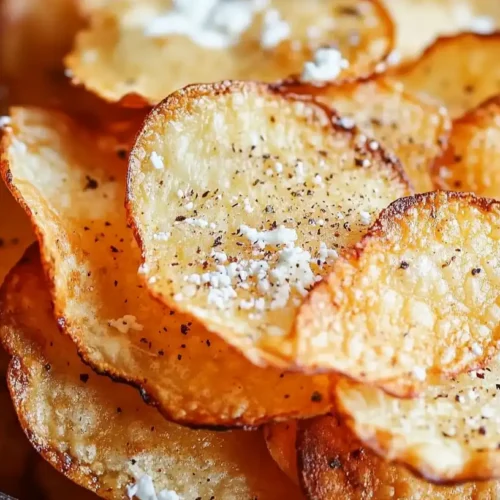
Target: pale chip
[459, 71]
[141, 52]
[415, 129]
[419, 295]
[279, 185]
[471, 162]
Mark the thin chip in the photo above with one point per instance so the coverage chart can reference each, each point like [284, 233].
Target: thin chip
[335, 464]
[280, 440]
[73, 185]
[415, 129]
[419, 295]
[141, 52]
[448, 434]
[258, 193]
[459, 71]
[420, 22]
[472, 159]
[67, 412]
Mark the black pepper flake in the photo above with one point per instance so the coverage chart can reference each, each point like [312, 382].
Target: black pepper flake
[184, 329]
[180, 218]
[482, 431]
[205, 194]
[114, 249]
[84, 377]
[208, 343]
[475, 271]
[316, 397]
[91, 183]
[121, 153]
[404, 265]
[217, 241]
[47, 367]
[334, 463]
[119, 410]
[161, 352]
[179, 356]
[358, 162]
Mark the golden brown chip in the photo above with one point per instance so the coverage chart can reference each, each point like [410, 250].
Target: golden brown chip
[472, 160]
[415, 129]
[73, 185]
[459, 71]
[100, 434]
[280, 441]
[419, 295]
[420, 22]
[140, 52]
[242, 198]
[448, 434]
[334, 464]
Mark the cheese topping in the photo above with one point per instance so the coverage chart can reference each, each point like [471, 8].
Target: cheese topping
[274, 30]
[128, 322]
[327, 65]
[214, 24]
[144, 489]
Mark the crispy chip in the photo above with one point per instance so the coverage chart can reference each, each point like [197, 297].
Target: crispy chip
[418, 295]
[280, 441]
[420, 22]
[414, 128]
[131, 53]
[241, 199]
[73, 185]
[459, 71]
[334, 465]
[448, 434]
[472, 159]
[67, 412]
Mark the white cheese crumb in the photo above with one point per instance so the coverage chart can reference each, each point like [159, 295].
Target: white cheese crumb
[157, 161]
[144, 489]
[477, 349]
[279, 236]
[483, 25]
[366, 218]
[180, 193]
[278, 167]
[274, 30]
[420, 373]
[178, 297]
[328, 63]
[5, 120]
[189, 206]
[128, 322]
[318, 180]
[161, 236]
[220, 257]
[196, 222]
[143, 269]
[247, 206]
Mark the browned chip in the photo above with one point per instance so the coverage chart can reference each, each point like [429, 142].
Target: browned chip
[242, 198]
[420, 22]
[73, 185]
[100, 434]
[415, 129]
[280, 439]
[419, 295]
[472, 161]
[459, 71]
[334, 464]
[140, 52]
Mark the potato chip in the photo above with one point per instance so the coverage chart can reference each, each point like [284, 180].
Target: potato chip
[419, 295]
[280, 441]
[459, 71]
[334, 464]
[139, 52]
[420, 22]
[242, 198]
[414, 128]
[67, 412]
[448, 434]
[73, 185]
[472, 159]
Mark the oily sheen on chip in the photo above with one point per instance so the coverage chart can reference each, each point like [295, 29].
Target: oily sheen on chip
[71, 181]
[139, 52]
[242, 198]
[101, 434]
[419, 295]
